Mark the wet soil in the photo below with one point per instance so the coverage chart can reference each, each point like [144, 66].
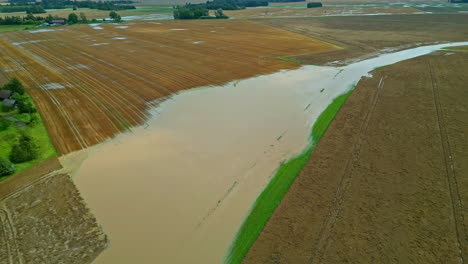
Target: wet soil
[368, 36]
[385, 183]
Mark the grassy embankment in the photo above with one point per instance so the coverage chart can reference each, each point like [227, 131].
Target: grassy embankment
[459, 48]
[36, 129]
[274, 192]
[8, 28]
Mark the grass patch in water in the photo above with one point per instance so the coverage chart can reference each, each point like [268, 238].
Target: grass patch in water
[290, 60]
[461, 49]
[274, 192]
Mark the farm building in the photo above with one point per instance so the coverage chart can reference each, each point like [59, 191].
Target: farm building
[9, 102]
[5, 94]
[58, 22]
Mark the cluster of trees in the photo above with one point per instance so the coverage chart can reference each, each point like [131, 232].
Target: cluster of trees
[228, 4]
[284, 1]
[25, 149]
[114, 16]
[29, 9]
[39, 7]
[234, 4]
[314, 4]
[73, 18]
[25, 20]
[101, 5]
[189, 12]
[23, 101]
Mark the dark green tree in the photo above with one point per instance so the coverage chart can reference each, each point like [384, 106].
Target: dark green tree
[4, 124]
[116, 17]
[24, 150]
[72, 18]
[26, 107]
[113, 14]
[6, 167]
[15, 86]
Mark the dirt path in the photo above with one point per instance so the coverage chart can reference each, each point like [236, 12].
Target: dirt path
[384, 183]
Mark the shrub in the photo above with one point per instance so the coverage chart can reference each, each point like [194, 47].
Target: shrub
[314, 4]
[15, 86]
[4, 124]
[6, 167]
[26, 107]
[72, 18]
[24, 150]
[5, 108]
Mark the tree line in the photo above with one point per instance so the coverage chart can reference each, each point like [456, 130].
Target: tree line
[25, 20]
[39, 7]
[229, 4]
[201, 11]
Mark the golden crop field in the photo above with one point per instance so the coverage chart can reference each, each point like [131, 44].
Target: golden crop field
[91, 82]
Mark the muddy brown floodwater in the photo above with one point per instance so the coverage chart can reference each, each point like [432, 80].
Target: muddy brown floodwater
[177, 189]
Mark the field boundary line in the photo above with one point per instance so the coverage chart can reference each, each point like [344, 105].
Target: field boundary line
[454, 191]
[10, 241]
[320, 246]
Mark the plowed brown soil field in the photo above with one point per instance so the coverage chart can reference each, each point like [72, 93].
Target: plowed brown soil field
[369, 36]
[386, 184]
[91, 82]
[43, 219]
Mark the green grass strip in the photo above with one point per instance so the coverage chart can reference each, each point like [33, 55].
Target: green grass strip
[290, 60]
[274, 192]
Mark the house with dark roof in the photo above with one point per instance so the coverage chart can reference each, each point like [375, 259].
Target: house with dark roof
[58, 22]
[9, 102]
[5, 94]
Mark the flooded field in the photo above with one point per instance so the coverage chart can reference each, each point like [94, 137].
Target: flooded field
[177, 189]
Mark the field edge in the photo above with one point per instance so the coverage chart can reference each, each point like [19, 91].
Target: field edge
[269, 199]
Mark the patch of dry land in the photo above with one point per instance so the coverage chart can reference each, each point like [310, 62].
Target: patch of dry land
[367, 36]
[386, 182]
[91, 82]
[44, 220]
[268, 12]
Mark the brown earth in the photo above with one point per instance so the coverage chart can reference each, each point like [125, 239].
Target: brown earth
[108, 77]
[259, 12]
[367, 36]
[44, 220]
[385, 184]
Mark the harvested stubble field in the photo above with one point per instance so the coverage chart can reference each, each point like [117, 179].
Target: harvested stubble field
[259, 12]
[91, 82]
[400, 195]
[368, 36]
[44, 220]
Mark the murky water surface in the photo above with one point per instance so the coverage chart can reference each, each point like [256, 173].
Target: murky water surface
[176, 190]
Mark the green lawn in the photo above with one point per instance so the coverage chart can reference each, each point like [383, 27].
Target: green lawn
[8, 28]
[38, 132]
[274, 192]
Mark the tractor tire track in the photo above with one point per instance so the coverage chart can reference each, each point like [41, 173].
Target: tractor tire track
[453, 188]
[326, 231]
